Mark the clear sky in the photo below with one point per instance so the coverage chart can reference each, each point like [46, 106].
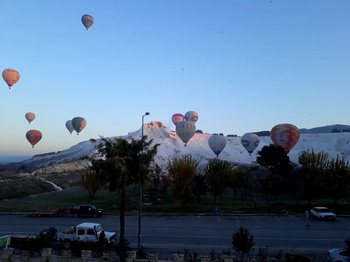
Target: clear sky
[243, 66]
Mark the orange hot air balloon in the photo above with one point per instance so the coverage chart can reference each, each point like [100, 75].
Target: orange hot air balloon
[33, 136]
[285, 135]
[30, 117]
[10, 76]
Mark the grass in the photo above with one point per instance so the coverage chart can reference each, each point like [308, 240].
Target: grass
[109, 201]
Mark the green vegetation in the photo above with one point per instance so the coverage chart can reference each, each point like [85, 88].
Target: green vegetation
[319, 181]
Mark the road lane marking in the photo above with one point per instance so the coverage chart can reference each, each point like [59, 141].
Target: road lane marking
[343, 220]
[302, 221]
[161, 219]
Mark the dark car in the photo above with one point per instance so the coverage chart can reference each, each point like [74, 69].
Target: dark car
[86, 210]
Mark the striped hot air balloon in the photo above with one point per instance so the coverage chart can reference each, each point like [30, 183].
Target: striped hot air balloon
[185, 130]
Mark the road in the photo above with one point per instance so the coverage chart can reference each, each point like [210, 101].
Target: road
[204, 233]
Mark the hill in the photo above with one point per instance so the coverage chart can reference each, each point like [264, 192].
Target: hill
[65, 168]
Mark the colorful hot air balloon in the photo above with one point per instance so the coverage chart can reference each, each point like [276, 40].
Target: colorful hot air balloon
[30, 117]
[10, 76]
[69, 126]
[87, 21]
[176, 118]
[191, 116]
[78, 124]
[250, 141]
[33, 136]
[185, 130]
[285, 135]
[217, 143]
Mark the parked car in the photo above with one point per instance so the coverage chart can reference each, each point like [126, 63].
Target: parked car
[88, 210]
[337, 255]
[323, 213]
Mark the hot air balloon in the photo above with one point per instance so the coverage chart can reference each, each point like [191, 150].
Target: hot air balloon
[285, 135]
[69, 126]
[78, 124]
[176, 118]
[87, 21]
[33, 136]
[30, 117]
[10, 76]
[250, 141]
[191, 116]
[217, 143]
[185, 130]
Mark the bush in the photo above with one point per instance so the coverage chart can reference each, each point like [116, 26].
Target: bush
[297, 258]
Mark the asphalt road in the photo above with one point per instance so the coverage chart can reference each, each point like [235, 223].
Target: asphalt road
[203, 233]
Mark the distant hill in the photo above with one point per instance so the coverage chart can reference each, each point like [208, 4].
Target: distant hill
[324, 129]
[12, 159]
[315, 130]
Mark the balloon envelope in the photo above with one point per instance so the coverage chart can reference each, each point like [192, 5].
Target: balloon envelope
[185, 130]
[33, 136]
[217, 143]
[30, 116]
[285, 135]
[87, 21]
[78, 124]
[250, 142]
[69, 126]
[176, 118]
[191, 116]
[10, 76]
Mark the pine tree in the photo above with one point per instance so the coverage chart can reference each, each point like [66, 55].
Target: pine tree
[242, 241]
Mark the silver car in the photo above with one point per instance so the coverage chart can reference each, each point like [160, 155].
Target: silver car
[337, 255]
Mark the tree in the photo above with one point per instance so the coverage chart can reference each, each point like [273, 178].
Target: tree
[180, 174]
[199, 187]
[313, 169]
[121, 163]
[337, 178]
[242, 241]
[242, 179]
[217, 174]
[92, 182]
[277, 161]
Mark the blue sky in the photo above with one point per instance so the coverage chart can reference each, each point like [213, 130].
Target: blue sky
[243, 66]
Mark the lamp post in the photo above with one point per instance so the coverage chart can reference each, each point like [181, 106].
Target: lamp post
[140, 210]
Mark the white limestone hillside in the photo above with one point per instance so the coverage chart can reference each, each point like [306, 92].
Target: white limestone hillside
[171, 146]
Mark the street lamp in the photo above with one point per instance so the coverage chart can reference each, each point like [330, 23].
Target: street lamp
[140, 210]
